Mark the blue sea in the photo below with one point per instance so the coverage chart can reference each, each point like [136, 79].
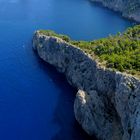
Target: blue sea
[36, 102]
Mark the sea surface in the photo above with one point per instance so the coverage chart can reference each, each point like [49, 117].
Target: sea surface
[36, 102]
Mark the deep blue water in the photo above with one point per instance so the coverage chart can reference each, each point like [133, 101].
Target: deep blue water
[36, 102]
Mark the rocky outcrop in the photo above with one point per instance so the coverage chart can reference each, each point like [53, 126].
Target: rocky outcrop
[129, 8]
[107, 103]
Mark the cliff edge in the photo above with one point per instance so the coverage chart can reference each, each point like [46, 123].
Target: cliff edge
[107, 103]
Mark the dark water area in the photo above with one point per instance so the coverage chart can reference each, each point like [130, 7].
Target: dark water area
[36, 102]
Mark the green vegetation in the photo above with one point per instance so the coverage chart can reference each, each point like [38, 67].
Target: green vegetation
[52, 33]
[120, 52]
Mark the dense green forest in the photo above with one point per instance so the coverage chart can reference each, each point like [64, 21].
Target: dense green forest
[119, 52]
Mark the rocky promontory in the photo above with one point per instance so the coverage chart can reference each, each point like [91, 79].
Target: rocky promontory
[107, 103]
[129, 8]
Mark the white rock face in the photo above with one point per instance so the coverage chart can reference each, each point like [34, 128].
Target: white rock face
[107, 103]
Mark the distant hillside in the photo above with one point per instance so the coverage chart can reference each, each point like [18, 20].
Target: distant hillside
[128, 8]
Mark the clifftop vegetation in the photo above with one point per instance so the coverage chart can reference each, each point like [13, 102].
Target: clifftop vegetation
[119, 52]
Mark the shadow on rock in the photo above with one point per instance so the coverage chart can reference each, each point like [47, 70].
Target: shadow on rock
[64, 113]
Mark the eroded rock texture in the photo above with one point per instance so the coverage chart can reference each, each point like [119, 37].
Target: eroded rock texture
[107, 103]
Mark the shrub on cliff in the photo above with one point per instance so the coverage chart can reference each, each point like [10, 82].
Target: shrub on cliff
[120, 52]
[52, 33]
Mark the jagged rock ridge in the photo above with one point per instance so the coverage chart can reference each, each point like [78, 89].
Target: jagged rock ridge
[107, 102]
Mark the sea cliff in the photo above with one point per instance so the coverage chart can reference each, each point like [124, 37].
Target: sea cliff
[129, 8]
[107, 102]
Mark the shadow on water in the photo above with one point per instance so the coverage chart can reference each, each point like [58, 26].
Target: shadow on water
[64, 112]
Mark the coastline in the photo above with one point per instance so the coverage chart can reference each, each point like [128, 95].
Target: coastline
[103, 96]
[117, 11]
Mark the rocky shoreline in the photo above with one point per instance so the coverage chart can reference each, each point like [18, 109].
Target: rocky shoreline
[107, 102]
[128, 9]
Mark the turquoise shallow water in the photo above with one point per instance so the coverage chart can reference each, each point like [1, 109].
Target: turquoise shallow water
[36, 102]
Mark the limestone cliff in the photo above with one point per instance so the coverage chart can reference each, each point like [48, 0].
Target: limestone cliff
[128, 8]
[107, 103]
